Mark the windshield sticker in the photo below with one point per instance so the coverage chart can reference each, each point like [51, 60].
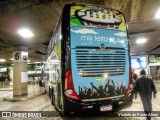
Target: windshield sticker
[97, 17]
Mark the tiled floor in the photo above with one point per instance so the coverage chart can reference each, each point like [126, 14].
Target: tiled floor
[42, 103]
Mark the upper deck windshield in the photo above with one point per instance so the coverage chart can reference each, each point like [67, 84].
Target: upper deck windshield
[98, 17]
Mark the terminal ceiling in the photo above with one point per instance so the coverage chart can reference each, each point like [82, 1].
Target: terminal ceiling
[41, 16]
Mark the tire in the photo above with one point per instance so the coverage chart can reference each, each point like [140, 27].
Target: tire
[52, 97]
[50, 92]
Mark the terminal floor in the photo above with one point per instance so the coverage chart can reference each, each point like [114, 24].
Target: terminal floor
[42, 103]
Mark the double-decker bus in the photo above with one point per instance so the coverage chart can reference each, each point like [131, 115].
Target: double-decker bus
[88, 61]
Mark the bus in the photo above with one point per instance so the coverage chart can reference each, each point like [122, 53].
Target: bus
[88, 61]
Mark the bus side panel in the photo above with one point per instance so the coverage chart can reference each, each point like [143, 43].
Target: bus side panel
[54, 64]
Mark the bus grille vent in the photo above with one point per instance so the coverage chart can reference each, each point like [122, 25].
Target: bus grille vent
[93, 62]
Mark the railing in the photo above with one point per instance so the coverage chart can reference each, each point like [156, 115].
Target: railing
[4, 84]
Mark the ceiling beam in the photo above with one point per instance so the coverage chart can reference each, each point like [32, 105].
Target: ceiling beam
[18, 5]
[149, 35]
[115, 4]
[121, 5]
[136, 7]
[154, 49]
[150, 8]
[14, 5]
[143, 25]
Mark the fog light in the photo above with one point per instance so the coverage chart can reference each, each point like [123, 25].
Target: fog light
[121, 102]
[85, 107]
[72, 112]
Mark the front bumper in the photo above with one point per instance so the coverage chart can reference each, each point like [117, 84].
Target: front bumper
[114, 105]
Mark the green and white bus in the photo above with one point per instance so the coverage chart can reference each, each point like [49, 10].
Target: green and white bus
[88, 62]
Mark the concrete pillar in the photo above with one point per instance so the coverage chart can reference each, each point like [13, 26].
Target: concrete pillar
[20, 76]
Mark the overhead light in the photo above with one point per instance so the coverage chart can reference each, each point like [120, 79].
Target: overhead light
[60, 37]
[2, 60]
[141, 40]
[28, 60]
[37, 62]
[11, 59]
[158, 14]
[25, 33]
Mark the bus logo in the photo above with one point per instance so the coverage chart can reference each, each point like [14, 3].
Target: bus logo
[6, 114]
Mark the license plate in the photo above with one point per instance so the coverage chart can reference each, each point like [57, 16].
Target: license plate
[106, 108]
